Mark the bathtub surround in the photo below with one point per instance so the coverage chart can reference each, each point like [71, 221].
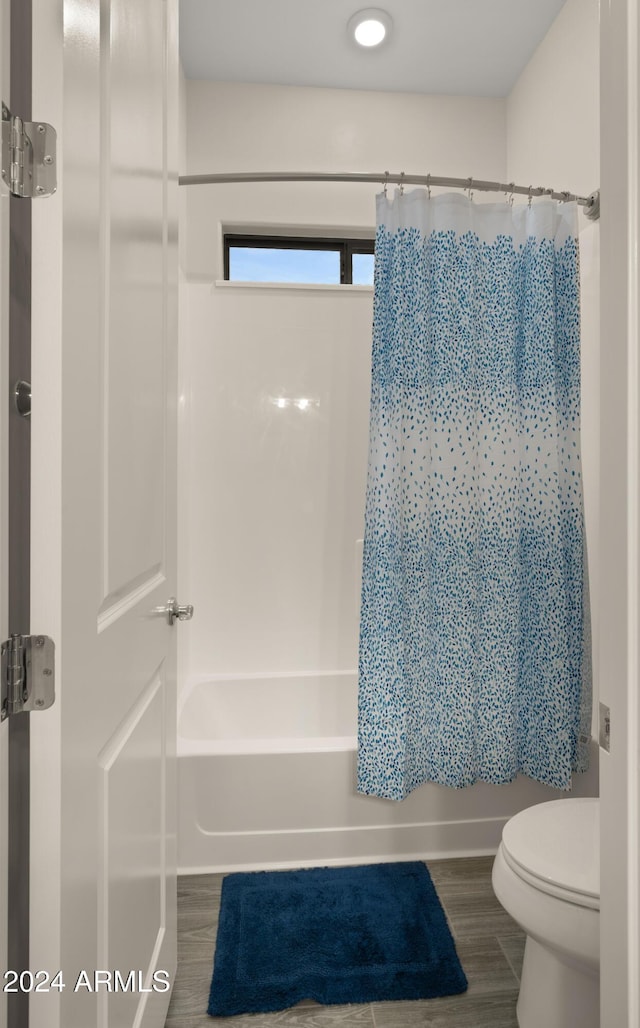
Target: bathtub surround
[334, 935]
[272, 501]
[474, 659]
[285, 748]
[276, 494]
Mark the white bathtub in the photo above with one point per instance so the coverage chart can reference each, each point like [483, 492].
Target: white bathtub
[266, 779]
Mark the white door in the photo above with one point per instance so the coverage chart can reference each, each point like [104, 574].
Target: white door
[103, 770]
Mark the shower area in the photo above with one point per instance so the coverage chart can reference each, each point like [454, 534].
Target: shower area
[274, 424]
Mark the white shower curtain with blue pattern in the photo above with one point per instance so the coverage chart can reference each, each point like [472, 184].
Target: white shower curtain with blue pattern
[474, 639]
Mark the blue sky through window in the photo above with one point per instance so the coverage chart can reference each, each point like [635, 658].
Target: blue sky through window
[362, 269]
[261, 264]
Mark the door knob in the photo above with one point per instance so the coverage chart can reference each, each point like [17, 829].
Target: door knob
[173, 611]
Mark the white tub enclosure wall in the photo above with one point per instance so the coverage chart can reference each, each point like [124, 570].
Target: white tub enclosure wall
[272, 501]
[277, 495]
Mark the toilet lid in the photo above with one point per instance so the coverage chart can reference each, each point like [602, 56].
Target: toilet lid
[556, 847]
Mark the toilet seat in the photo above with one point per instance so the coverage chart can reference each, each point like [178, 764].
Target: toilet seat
[554, 847]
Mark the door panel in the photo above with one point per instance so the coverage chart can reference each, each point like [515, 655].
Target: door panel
[121, 674]
[132, 919]
[135, 380]
[115, 738]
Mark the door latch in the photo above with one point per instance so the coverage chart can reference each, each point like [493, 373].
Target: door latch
[174, 612]
[28, 679]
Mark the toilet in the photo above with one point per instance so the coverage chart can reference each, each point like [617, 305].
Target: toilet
[547, 876]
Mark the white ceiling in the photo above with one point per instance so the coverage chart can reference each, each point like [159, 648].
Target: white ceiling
[457, 47]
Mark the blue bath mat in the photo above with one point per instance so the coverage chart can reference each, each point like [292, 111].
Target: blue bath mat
[334, 935]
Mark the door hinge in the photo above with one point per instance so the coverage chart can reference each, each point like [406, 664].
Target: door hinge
[28, 156]
[28, 678]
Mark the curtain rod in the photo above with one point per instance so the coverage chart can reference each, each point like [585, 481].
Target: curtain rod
[591, 203]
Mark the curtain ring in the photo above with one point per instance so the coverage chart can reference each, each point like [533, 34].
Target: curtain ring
[386, 182]
[469, 187]
[429, 186]
[402, 183]
[530, 197]
[510, 188]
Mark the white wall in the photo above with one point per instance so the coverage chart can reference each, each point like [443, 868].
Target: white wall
[553, 139]
[273, 501]
[242, 127]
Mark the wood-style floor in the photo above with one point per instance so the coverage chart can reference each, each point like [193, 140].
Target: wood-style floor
[489, 943]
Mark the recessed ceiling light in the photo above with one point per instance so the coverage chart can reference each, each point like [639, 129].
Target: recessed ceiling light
[370, 27]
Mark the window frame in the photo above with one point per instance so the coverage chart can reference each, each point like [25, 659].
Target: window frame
[345, 246]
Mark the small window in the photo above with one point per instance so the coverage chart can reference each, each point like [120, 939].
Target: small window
[298, 259]
[362, 267]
